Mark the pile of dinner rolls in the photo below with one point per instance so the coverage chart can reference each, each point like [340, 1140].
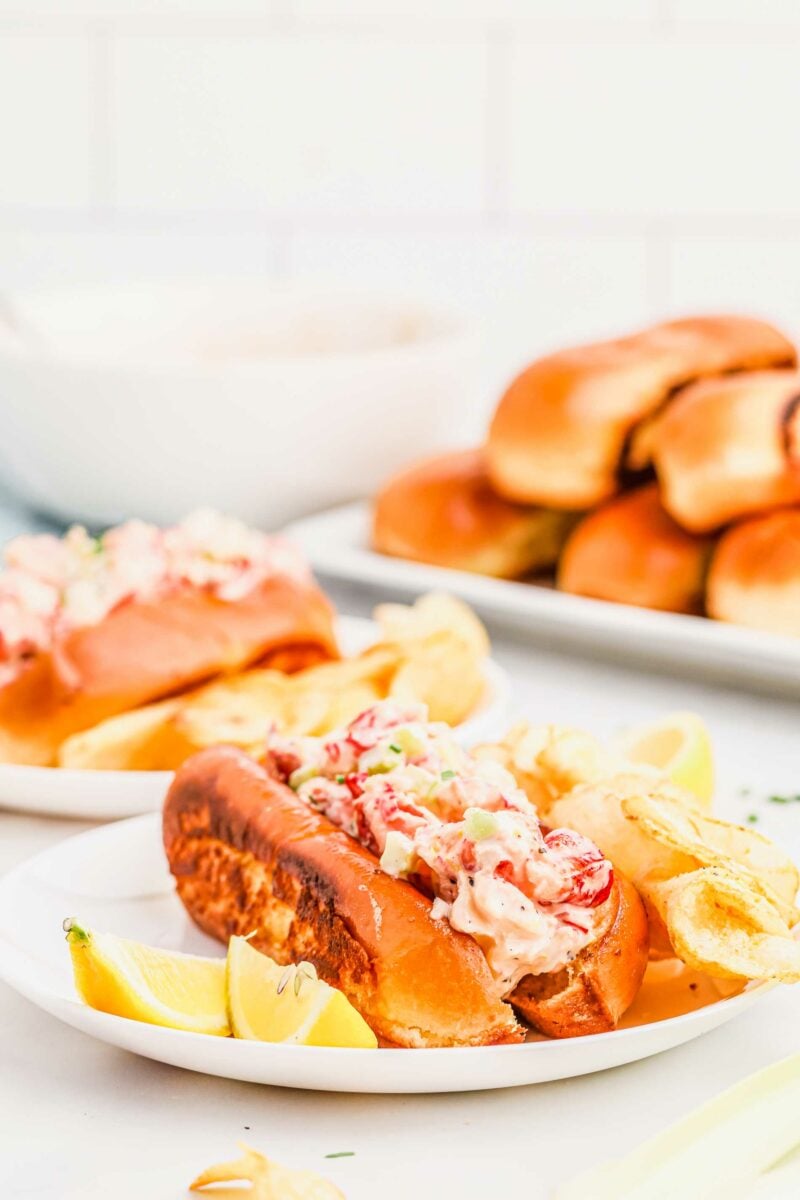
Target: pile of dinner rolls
[660, 469]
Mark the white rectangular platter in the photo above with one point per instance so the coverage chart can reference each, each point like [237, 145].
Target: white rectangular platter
[337, 545]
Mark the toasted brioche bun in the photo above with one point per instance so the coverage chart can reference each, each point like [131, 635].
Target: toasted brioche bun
[726, 448]
[630, 551]
[248, 855]
[144, 651]
[559, 434]
[755, 574]
[443, 511]
[593, 991]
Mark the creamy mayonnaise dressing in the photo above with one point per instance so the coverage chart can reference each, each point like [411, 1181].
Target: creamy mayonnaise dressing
[457, 827]
[51, 585]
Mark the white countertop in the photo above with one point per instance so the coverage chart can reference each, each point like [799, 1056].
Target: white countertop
[84, 1120]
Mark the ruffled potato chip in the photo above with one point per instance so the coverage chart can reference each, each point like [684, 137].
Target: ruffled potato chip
[548, 761]
[443, 672]
[720, 924]
[712, 842]
[142, 740]
[236, 711]
[677, 857]
[433, 613]
[270, 1180]
[597, 810]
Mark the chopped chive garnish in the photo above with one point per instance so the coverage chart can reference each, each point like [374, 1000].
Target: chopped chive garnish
[752, 818]
[783, 799]
[448, 775]
[341, 1154]
[340, 778]
[397, 749]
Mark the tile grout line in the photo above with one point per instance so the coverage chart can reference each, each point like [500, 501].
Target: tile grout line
[755, 226]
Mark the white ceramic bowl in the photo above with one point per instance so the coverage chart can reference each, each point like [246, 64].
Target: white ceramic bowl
[264, 401]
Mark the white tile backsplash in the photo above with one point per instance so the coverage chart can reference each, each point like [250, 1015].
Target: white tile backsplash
[495, 10]
[139, 9]
[45, 120]
[742, 272]
[282, 125]
[45, 257]
[654, 127]
[752, 12]
[560, 168]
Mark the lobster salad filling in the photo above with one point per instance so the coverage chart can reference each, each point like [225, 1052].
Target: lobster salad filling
[459, 829]
[51, 585]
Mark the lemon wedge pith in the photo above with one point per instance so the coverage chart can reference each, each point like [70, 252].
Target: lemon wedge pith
[679, 745]
[270, 1003]
[144, 983]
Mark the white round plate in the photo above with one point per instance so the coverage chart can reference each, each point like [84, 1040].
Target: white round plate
[109, 795]
[115, 878]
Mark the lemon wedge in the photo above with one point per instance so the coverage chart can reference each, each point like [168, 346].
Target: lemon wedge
[270, 1003]
[161, 987]
[679, 745]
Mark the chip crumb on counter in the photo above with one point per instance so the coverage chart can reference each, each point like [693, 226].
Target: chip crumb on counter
[270, 1180]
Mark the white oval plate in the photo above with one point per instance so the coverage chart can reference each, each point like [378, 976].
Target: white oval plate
[109, 795]
[116, 879]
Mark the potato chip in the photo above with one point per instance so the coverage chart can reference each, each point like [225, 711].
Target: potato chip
[663, 845]
[442, 672]
[141, 740]
[597, 811]
[550, 760]
[712, 842]
[376, 664]
[431, 614]
[270, 1180]
[346, 705]
[236, 711]
[721, 925]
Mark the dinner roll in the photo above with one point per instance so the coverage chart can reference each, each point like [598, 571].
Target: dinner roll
[727, 448]
[560, 433]
[443, 511]
[630, 551]
[755, 574]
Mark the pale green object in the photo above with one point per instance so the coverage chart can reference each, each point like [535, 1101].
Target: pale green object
[480, 824]
[302, 775]
[412, 745]
[398, 855]
[720, 1149]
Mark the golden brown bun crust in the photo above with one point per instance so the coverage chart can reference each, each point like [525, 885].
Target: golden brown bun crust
[143, 651]
[247, 855]
[630, 551]
[724, 448]
[443, 511]
[559, 433]
[755, 574]
[592, 992]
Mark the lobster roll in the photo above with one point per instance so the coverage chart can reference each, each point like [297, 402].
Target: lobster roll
[416, 879]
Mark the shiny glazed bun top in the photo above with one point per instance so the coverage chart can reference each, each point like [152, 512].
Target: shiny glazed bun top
[444, 511]
[729, 447]
[560, 432]
[630, 551]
